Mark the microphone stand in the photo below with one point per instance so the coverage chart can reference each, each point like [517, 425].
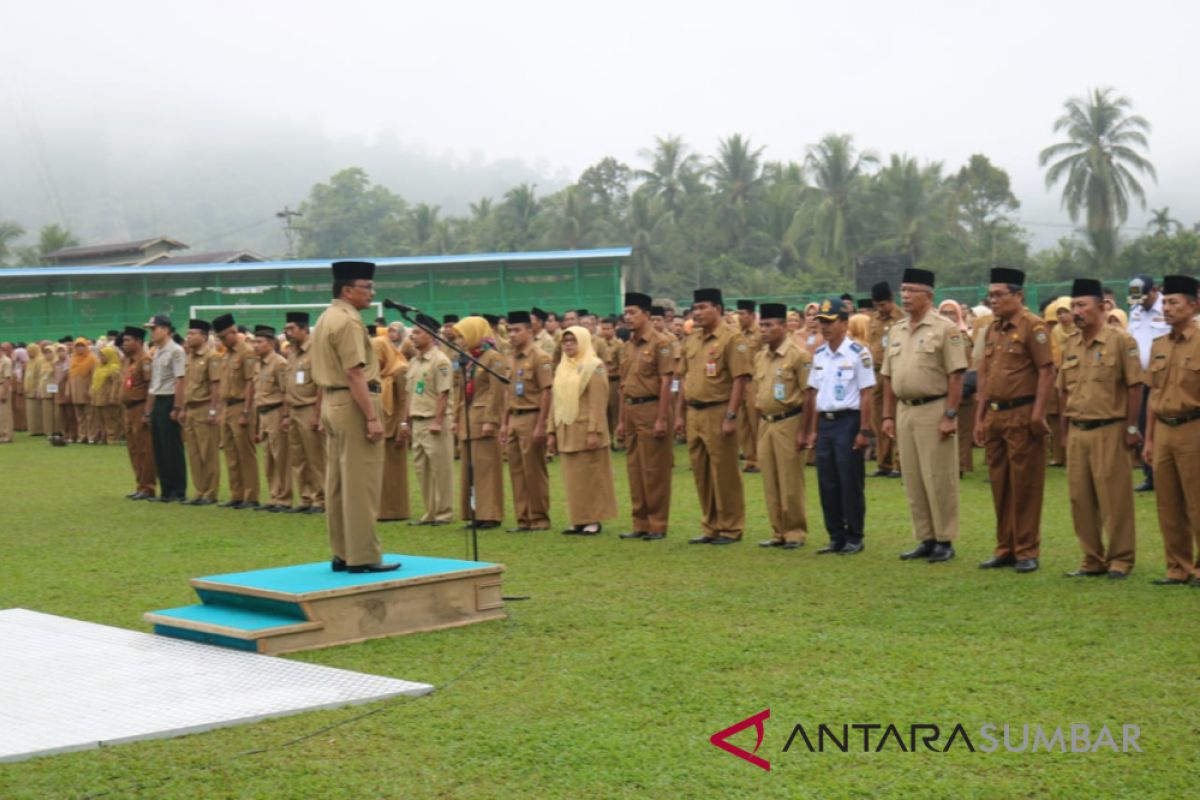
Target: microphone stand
[465, 359]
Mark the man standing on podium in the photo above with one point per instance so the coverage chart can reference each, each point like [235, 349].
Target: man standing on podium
[347, 371]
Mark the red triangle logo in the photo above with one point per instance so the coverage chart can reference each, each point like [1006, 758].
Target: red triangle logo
[720, 739]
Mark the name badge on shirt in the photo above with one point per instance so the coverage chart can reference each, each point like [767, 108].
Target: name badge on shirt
[675, 385]
[519, 388]
[779, 392]
[839, 392]
[52, 388]
[420, 387]
[710, 369]
[299, 377]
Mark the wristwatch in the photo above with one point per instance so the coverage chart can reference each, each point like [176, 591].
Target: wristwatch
[731, 416]
[1132, 430]
[951, 413]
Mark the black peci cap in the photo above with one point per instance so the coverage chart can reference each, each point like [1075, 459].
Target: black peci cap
[539, 313]
[450, 319]
[136, 333]
[1087, 287]
[657, 311]
[199, 325]
[772, 311]
[223, 323]
[265, 331]
[1179, 284]
[639, 300]
[298, 317]
[881, 292]
[1008, 275]
[353, 270]
[747, 305]
[519, 318]
[708, 296]
[492, 319]
[920, 277]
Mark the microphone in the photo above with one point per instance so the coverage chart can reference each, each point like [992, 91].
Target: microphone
[401, 307]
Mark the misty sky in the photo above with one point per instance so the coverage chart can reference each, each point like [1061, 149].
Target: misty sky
[561, 85]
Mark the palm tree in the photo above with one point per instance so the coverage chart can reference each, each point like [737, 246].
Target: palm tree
[737, 174]
[1162, 223]
[911, 197]
[780, 211]
[673, 170]
[1098, 161]
[837, 170]
[517, 213]
[8, 232]
[424, 221]
[645, 218]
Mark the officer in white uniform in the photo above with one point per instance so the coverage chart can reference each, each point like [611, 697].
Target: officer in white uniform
[1146, 323]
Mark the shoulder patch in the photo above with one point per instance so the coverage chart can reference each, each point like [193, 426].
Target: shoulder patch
[741, 348]
[856, 347]
[956, 338]
[547, 365]
[866, 359]
[1040, 336]
[823, 348]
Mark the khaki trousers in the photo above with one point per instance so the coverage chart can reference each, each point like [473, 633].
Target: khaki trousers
[748, 422]
[393, 496]
[108, 423]
[19, 411]
[433, 461]
[275, 454]
[614, 410]
[6, 418]
[306, 457]
[966, 435]
[648, 464]
[1016, 459]
[489, 480]
[50, 415]
[930, 471]
[85, 421]
[139, 442]
[1098, 468]
[38, 425]
[1176, 478]
[202, 441]
[66, 416]
[887, 450]
[714, 458]
[527, 468]
[353, 479]
[241, 459]
[783, 478]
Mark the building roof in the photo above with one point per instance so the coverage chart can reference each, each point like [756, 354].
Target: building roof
[607, 253]
[113, 249]
[218, 257]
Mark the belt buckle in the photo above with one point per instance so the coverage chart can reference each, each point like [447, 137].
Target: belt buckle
[830, 415]
[994, 406]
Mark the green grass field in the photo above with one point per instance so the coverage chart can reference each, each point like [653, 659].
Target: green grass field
[610, 680]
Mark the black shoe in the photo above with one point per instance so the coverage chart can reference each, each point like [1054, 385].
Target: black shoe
[751, 469]
[633, 535]
[337, 565]
[1144, 486]
[434, 523]
[772, 543]
[1117, 575]
[141, 496]
[296, 510]
[1083, 573]
[230, 504]
[248, 504]
[793, 545]
[830, 548]
[284, 510]
[268, 507]
[995, 562]
[724, 540]
[702, 540]
[881, 473]
[851, 548]
[315, 510]
[420, 523]
[894, 474]
[518, 529]
[572, 531]
[203, 501]
[1027, 565]
[380, 567]
[133, 496]
[923, 550]
[653, 537]
[166, 499]
[1169, 582]
[943, 551]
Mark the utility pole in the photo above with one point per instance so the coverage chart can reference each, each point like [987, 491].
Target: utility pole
[289, 230]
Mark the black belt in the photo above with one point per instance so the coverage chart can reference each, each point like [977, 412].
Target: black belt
[421, 418]
[519, 411]
[699, 406]
[1172, 422]
[135, 403]
[920, 401]
[1092, 424]
[612, 378]
[296, 406]
[1005, 405]
[637, 401]
[270, 408]
[234, 401]
[372, 386]
[784, 415]
[831, 415]
[198, 403]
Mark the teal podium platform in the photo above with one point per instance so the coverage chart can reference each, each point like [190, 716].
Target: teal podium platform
[309, 606]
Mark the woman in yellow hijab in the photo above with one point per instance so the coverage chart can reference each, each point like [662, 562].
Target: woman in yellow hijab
[1118, 318]
[106, 386]
[481, 442]
[35, 383]
[393, 369]
[79, 381]
[579, 412]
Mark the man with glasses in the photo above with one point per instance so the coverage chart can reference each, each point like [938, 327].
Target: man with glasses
[345, 367]
[1016, 376]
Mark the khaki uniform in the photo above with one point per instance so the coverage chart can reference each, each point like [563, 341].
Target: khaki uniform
[7, 395]
[238, 368]
[201, 430]
[887, 450]
[430, 375]
[587, 474]
[780, 380]
[748, 414]
[354, 475]
[532, 374]
[393, 500]
[1013, 353]
[79, 388]
[270, 392]
[919, 360]
[1174, 375]
[1094, 381]
[135, 387]
[612, 366]
[61, 416]
[105, 411]
[708, 368]
[647, 361]
[306, 446]
[546, 342]
[486, 396]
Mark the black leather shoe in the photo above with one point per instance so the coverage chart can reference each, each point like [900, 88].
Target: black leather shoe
[1168, 582]
[771, 543]
[793, 545]
[923, 550]
[166, 499]
[571, 531]
[1117, 575]
[133, 496]
[653, 537]
[633, 535]
[1082, 573]
[830, 548]
[203, 501]
[296, 510]
[995, 562]
[280, 509]
[247, 504]
[361, 568]
[1144, 486]
[1026, 565]
[141, 496]
[268, 507]
[702, 540]
[751, 470]
[337, 565]
[894, 473]
[487, 524]
[942, 551]
[420, 523]
[852, 548]
[880, 473]
[724, 540]
[230, 504]
[314, 510]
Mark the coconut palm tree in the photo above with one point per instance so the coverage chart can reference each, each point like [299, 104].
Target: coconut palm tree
[736, 173]
[1098, 161]
[8, 231]
[673, 170]
[837, 170]
[911, 198]
[1162, 223]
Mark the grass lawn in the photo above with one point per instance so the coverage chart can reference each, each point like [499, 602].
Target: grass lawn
[610, 680]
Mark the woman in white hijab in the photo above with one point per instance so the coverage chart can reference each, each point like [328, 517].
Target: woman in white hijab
[579, 411]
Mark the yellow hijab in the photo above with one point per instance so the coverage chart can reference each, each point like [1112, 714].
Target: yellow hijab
[472, 331]
[859, 328]
[572, 376]
[110, 364]
[34, 369]
[391, 364]
[82, 364]
[1122, 318]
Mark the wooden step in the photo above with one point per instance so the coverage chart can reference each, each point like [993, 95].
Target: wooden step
[227, 625]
